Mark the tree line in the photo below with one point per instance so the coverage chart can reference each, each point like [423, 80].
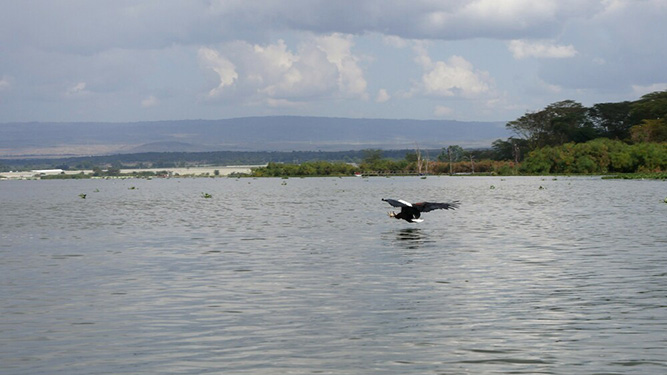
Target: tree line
[632, 122]
[566, 137]
[563, 137]
[187, 159]
[449, 160]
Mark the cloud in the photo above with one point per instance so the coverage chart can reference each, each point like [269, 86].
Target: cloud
[395, 41]
[149, 102]
[338, 49]
[283, 103]
[4, 83]
[616, 49]
[222, 66]
[546, 87]
[76, 26]
[78, 89]
[382, 96]
[323, 57]
[442, 111]
[491, 18]
[310, 74]
[322, 66]
[521, 49]
[454, 77]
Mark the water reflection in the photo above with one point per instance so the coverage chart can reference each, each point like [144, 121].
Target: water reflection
[412, 238]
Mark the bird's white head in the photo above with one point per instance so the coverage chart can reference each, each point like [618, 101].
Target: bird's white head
[391, 214]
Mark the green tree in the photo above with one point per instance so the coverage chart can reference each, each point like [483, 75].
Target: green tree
[651, 106]
[539, 161]
[511, 149]
[411, 157]
[307, 169]
[556, 124]
[502, 149]
[650, 130]
[613, 120]
[113, 171]
[452, 153]
[597, 156]
[650, 157]
[372, 156]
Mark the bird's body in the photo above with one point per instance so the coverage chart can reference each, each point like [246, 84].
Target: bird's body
[411, 212]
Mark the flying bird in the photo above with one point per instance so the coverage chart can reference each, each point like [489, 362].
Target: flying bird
[411, 212]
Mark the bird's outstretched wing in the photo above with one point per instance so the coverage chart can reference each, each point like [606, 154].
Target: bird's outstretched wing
[430, 206]
[397, 202]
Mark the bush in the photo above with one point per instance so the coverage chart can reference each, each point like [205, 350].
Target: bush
[597, 156]
[315, 168]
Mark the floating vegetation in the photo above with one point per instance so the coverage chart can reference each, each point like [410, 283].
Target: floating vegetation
[206, 195]
[82, 196]
[638, 176]
[132, 188]
[541, 187]
[492, 187]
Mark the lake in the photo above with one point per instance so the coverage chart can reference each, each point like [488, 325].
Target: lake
[532, 275]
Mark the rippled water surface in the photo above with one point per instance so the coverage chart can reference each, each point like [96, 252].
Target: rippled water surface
[302, 276]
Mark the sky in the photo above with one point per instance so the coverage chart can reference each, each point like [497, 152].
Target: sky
[467, 60]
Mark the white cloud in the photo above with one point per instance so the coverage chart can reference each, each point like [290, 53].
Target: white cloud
[395, 41]
[231, 52]
[382, 96]
[276, 54]
[311, 74]
[494, 10]
[506, 19]
[73, 25]
[549, 88]
[455, 77]
[283, 103]
[599, 61]
[423, 59]
[4, 83]
[338, 50]
[521, 49]
[149, 102]
[616, 50]
[222, 66]
[322, 66]
[442, 111]
[78, 89]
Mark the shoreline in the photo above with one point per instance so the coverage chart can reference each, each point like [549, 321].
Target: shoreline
[176, 172]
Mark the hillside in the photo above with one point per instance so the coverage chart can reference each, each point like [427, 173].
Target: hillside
[279, 133]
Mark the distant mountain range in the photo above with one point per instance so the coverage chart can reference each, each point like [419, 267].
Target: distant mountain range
[276, 133]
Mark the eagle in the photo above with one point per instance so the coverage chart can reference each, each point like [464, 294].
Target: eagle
[411, 212]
